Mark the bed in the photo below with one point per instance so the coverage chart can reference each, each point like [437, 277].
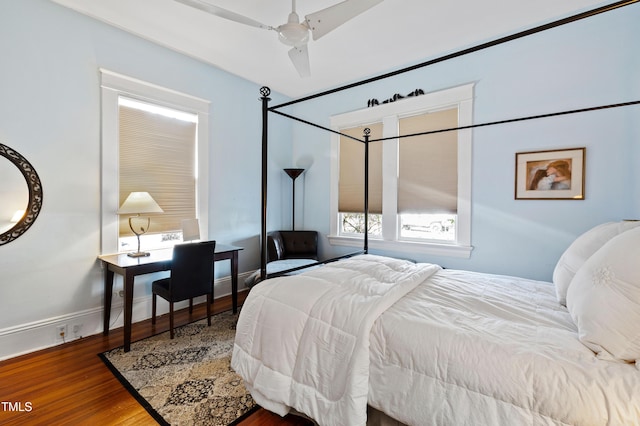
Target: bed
[367, 337]
[427, 345]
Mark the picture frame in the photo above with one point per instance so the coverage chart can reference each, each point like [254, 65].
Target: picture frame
[550, 175]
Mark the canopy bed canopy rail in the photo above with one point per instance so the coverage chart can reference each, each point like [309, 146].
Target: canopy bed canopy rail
[265, 92]
[367, 141]
[482, 46]
[512, 289]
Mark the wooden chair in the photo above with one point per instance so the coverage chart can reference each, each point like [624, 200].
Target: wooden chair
[191, 276]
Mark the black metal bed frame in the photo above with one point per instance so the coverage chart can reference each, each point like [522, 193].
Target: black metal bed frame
[265, 92]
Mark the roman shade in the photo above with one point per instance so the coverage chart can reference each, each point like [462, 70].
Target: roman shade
[157, 154]
[428, 164]
[351, 184]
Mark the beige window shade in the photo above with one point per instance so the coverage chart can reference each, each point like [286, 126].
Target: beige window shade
[351, 185]
[428, 164]
[157, 155]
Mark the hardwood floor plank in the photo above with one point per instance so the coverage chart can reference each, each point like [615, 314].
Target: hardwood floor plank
[70, 385]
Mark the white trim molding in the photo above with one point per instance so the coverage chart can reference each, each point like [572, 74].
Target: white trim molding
[27, 338]
[114, 85]
[460, 97]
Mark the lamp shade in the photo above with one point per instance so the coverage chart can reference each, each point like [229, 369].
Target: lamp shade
[293, 173]
[139, 202]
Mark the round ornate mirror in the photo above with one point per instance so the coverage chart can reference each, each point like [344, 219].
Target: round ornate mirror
[20, 192]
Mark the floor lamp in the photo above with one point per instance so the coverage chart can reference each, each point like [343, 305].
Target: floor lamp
[293, 174]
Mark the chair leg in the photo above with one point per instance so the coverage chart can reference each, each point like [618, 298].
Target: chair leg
[209, 302]
[171, 320]
[190, 306]
[153, 309]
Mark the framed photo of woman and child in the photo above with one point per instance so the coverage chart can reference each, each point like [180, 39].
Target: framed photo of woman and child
[550, 175]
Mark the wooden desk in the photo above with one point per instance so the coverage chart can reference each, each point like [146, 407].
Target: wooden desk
[159, 260]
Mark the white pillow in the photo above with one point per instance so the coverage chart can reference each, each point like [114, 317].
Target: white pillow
[604, 299]
[581, 249]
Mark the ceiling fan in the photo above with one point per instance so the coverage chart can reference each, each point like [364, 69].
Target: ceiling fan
[295, 33]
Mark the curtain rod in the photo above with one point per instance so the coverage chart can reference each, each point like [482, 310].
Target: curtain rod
[476, 48]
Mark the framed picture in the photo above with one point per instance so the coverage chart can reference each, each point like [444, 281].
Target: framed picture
[550, 175]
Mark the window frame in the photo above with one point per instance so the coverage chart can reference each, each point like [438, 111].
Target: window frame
[114, 85]
[389, 114]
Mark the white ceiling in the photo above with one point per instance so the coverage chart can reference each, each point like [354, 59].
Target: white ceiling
[391, 35]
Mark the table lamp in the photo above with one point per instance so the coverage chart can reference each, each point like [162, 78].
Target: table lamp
[138, 203]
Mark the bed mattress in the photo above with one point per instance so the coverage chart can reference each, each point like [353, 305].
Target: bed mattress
[467, 348]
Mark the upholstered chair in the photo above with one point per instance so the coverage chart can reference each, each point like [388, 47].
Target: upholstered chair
[192, 272]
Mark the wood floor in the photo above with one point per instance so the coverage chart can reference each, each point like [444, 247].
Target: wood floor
[70, 385]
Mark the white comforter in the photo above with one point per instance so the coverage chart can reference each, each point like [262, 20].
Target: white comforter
[468, 348]
[447, 348]
[303, 341]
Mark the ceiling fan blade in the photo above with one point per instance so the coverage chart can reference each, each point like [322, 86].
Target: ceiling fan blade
[224, 13]
[299, 55]
[327, 20]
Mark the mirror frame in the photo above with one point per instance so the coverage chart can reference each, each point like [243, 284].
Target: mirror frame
[35, 194]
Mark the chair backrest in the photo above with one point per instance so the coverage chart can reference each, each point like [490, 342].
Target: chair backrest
[192, 270]
[190, 229]
[275, 246]
[292, 245]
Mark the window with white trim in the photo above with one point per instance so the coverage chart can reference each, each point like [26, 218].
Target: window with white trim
[153, 140]
[419, 186]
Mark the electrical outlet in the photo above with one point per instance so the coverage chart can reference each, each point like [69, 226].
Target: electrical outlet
[76, 330]
[61, 333]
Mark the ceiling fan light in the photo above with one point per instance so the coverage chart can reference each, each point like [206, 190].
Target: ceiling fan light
[293, 34]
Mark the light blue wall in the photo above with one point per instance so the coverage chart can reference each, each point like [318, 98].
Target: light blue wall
[584, 64]
[50, 113]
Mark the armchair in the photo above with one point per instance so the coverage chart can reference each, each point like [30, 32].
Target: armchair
[284, 245]
[287, 250]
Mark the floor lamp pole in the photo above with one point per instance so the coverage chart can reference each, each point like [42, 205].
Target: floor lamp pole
[293, 174]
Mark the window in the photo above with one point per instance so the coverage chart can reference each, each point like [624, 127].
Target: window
[153, 140]
[419, 186]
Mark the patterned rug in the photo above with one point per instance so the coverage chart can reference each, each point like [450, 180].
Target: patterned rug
[187, 380]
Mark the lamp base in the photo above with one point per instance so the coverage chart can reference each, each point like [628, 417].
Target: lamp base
[138, 254]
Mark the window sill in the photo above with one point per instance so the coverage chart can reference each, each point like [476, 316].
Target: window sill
[450, 250]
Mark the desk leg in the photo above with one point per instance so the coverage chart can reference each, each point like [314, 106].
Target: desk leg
[108, 295]
[234, 281]
[128, 308]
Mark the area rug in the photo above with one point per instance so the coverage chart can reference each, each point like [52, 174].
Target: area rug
[187, 380]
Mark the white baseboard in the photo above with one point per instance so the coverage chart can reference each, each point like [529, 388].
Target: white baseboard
[26, 338]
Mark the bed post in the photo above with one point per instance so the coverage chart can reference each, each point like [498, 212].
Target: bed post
[367, 132]
[265, 92]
